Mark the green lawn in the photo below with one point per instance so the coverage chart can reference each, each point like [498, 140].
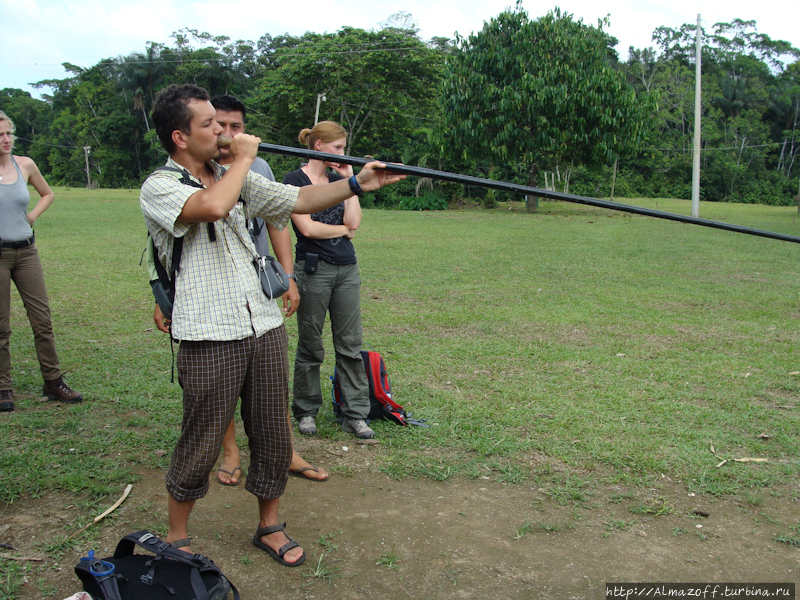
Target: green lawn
[575, 342]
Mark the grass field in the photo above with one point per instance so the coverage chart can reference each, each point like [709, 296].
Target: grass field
[575, 346]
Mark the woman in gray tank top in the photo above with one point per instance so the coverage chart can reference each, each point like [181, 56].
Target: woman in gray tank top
[19, 262]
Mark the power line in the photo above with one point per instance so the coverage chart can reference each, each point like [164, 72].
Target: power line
[46, 144]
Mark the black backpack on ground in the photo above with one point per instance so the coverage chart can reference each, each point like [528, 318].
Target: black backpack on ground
[166, 574]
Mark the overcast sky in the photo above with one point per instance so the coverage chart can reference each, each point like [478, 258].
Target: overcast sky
[39, 35]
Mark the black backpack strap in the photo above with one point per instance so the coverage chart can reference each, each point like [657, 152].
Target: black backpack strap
[127, 544]
[197, 584]
[151, 543]
[175, 265]
[108, 583]
[167, 279]
[186, 179]
[167, 286]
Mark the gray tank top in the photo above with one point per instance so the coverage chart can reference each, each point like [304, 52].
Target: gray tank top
[14, 200]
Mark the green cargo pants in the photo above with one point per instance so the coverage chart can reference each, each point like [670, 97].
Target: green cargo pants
[334, 289]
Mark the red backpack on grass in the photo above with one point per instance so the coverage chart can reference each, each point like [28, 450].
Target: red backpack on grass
[382, 406]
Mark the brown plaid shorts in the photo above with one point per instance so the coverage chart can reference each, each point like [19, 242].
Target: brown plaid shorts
[213, 376]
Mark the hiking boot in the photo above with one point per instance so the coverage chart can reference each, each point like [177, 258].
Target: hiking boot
[61, 392]
[307, 426]
[6, 403]
[358, 427]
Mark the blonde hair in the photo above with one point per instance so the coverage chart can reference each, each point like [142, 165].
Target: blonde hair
[326, 131]
[7, 119]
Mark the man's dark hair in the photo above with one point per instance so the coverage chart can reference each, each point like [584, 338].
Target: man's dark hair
[229, 103]
[171, 111]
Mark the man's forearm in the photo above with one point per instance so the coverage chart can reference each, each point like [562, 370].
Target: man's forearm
[314, 198]
[215, 202]
[281, 242]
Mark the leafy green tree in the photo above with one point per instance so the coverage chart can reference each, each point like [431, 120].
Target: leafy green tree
[32, 118]
[784, 113]
[749, 99]
[539, 93]
[726, 173]
[380, 85]
[91, 111]
[518, 96]
[213, 62]
[663, 165]
[732, 41]
[642, 68]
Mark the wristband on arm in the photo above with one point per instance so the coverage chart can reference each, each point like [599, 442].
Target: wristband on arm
[354, 187]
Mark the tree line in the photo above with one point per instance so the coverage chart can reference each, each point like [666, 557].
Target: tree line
[545, 102]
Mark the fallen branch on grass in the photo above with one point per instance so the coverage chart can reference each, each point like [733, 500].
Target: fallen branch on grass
[106, 513]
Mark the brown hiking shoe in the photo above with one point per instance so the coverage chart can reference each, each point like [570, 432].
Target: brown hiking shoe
[60, 391]
[6, 402]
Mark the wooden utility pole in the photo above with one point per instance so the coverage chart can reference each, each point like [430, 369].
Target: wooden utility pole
[697, 125]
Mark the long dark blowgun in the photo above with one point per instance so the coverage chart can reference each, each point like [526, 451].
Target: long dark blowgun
[224, 142]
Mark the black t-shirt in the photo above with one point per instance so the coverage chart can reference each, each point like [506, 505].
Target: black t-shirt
[337, 251]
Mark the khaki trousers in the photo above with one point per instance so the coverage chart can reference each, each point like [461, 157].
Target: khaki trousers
[23, 267]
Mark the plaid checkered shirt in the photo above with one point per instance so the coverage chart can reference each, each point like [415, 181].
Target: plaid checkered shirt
[218, 294]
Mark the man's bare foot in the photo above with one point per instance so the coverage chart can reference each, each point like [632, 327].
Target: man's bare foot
[300, 467]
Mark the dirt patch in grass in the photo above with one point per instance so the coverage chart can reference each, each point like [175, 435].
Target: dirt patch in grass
[417, 538]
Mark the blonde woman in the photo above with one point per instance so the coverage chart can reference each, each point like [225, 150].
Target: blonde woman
[19, 262]
[329, 283]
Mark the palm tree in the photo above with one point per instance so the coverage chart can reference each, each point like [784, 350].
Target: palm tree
[141, 74]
